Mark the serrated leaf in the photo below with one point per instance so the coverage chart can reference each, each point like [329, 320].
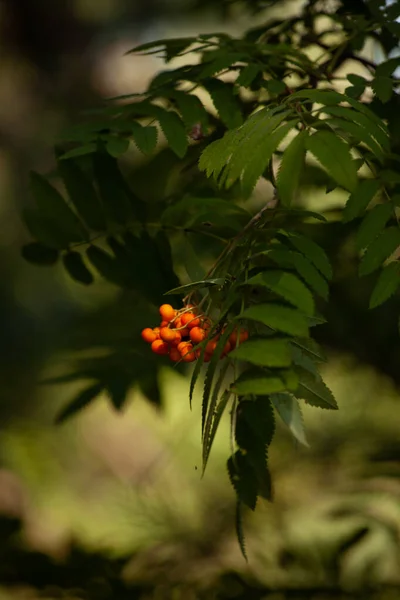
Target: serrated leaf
[359, 133]
[359, 199]
[290, 168]
[375, 131]
[315, 392]
[225, 102]
[373, 224]
[145, 137]
[334, 155]
[288, 286]
[239, 529]
[312, 251]
[280, 318]
[266, 352]
[173, 130]
[76, 268]
[289, 410]
[223, 60]
[383, 88]
[209, 419]
[310, 347]
[243, 479]
[53, 207]
[39, 254]
[218, 412]
[196, 285]
[379, 250]
[260, 383]
[82, 194]
[82, 400]
[295, 260]
[116, 145]
[387, 284]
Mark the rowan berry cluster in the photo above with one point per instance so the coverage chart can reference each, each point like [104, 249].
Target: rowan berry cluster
[181, 333]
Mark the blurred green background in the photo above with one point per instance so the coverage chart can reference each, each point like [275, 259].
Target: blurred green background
[112, 505]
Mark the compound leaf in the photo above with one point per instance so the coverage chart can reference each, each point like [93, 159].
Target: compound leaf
[290, 168]
[334, 155]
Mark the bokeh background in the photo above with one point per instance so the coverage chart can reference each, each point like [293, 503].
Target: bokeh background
[112, 505]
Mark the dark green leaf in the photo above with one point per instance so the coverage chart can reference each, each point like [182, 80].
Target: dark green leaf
[383, 87]
[196, 285]
[373, 224]
[278, 317]
[287, 286]
[259, 382]
[53, 208]
[90, 148]
[243, 479]
[267, 352]
[82, 400]
[76, 268]
[315, 392]
[218, 412]
[38, 254]
[289, 410]
[295, 260]
[360, 198]
[145, 138]
[334, 155]
[379, 250]
[44, 230]
[312, 251]
[388, 282]
[116, 146]
[247, 75]
[290, 168]
[107, 266]
[82, 194]
[191, 109]
[225, 102]
[173, 130]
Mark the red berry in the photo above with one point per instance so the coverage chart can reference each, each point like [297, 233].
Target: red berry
[167, 312]
[160, 347]
[148, 335]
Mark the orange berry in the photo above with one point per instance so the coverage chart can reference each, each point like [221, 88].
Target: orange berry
[177, 322]
[227, 348]
[148, 335]
[159, 347]
[188, 355]
[210, 347]
[167, 312]
[174, 354]
[177, 340]
[197, 335]
[164, 323]
[157, 332]
[182, 346]
[167, 334]
[184, 332]
[242, 334]
[190, 320]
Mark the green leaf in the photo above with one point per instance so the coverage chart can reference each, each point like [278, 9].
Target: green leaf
[90, 148]
[334, 155]
[312, 251]
[218, 412]
[76, 268]
[315, 392]
[39, 254]
[224, 99]
[107, 266]
[183, 289]
[295, 260]
[379, 250]
[387, 284]
[358, 132]
[209, 419]
[116, 146]
[173, 130]
[260, 383]
[82, 194]
[191, 109]
[248, 74]
[120, 203]
[280, 318]
[383, 88]
[266, 352]
[191, 261]
[43, 230]
[360, 198]
[373, 224]
[145, 137]
[53, 207]
[357, 80]
[82, 400]
[290, 168]
[243, 479]
[288, 286]
[289, 410]
[275, 86]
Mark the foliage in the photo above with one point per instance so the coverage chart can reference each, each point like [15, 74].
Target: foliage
[271, 109]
